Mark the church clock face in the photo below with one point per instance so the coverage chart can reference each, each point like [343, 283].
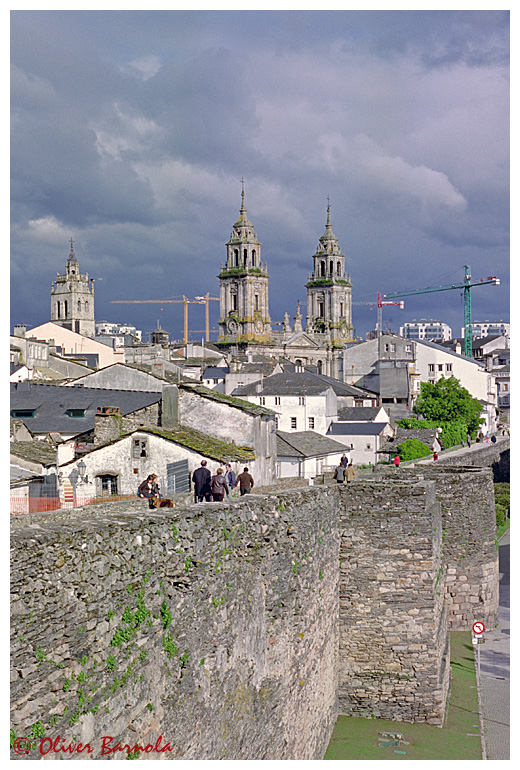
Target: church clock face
[232, 326]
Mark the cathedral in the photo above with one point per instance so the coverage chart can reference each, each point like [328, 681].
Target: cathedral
[244, 303]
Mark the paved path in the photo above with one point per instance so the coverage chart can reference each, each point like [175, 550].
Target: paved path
[461, 451]
[494, 669]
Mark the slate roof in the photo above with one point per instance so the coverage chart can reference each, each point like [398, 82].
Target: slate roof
[215, 372]
[237, 403]
[356, 428]
[358, 413]
[297, 384]
[208, 446]
[426, 435]
[36, 451]
[305, 444]
[51, 402]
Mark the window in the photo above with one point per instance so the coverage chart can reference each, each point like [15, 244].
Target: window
[368, 446]
[261, 400]
[387, 348]
[20, 413]
[234, 301]
[107, 484]
[75, 413]
[301, 400]
[505, 387]
[431, 368]
[293, 423]
[321, 309]
[392, 347]
[440, 367]
[140, 447]
[253, 257]
[277, 400]
[257, 305]
[311, 423]
[449, 367]
[408, 348]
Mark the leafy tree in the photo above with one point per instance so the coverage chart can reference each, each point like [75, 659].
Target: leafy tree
[446, 400]
[412, 448]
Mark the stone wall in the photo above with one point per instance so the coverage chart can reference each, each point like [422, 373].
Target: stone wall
[229, 629]
[494, 456]
[470, 553]
[394, 647]
[214, 626]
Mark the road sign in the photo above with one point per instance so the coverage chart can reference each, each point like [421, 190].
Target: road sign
[478, 628]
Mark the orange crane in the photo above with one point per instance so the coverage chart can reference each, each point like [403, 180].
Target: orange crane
[206, 300]
[184, 299]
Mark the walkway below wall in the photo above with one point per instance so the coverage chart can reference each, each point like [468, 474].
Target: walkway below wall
[495, 669]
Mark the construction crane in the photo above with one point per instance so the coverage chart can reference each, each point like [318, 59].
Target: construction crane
[466, 286]
[380, 303]
[184, 299]
[206, 300]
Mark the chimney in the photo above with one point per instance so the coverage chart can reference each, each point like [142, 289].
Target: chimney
[170, 406]
[19, 330]
[107, 424]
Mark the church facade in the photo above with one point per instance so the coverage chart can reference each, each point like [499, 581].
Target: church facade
[245, 322]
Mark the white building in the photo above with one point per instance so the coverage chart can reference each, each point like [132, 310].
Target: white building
[425, 330]
[306, 454]
[488, 328]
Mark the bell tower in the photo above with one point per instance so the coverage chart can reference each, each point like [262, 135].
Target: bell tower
[329, 291]
[244, 287]
[72, 299]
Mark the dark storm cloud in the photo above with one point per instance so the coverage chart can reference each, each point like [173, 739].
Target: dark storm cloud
[131, 132]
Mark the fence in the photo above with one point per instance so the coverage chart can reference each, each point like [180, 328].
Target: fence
[21, 505]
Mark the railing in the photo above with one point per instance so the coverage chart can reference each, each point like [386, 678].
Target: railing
[21, 505]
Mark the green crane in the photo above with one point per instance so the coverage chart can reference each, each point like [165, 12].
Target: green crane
[466, 286]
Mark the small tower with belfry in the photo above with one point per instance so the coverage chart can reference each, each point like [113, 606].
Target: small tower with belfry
[244, 287]
[329, 291]
[72, 299]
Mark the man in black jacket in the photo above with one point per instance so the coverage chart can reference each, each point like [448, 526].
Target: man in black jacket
[201, 479]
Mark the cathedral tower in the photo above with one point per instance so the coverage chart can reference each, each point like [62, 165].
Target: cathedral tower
[329, 291]
[244, 287]
[72, 299]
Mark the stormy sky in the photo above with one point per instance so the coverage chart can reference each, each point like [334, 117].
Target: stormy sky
[131, 132]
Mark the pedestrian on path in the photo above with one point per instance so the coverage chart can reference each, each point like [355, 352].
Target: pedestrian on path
[245, 482]
[350, 473]
[339, 473]
[397, 461]
[468, 439]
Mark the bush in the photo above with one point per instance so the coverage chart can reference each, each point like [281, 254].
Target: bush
[500, 514]
[453, 432]
[411, 449]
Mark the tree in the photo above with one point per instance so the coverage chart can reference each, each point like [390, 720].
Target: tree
[446, 400]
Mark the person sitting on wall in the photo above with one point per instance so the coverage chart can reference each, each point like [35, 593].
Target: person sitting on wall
[145, 488]
[201, 479]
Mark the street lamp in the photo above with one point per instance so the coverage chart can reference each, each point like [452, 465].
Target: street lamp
[82, 468]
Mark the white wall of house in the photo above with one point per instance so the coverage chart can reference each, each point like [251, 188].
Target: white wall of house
[308, 467]
[70, 342]
[363, 449]
[117, 459]
[299, 413]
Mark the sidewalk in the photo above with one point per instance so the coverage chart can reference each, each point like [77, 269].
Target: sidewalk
[495, 669]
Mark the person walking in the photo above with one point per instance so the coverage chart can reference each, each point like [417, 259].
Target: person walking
[468, 439]
[344, 460]
[219, 486]
[245, 482]
[231, 477]
[435, 456]
[201, 479]
[350, 473]
[397, 461]
[339, 473]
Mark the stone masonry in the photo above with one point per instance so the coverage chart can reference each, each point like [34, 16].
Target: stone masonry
[228, 628]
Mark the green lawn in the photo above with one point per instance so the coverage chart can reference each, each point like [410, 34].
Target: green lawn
[357, 738]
